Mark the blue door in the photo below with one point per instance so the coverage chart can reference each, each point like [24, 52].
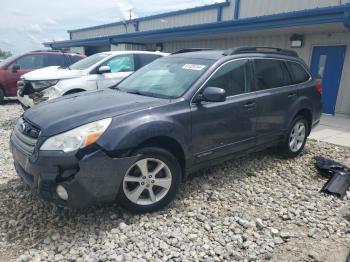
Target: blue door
[327, 62]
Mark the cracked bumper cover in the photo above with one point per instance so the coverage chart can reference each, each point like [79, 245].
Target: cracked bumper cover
[97, 180]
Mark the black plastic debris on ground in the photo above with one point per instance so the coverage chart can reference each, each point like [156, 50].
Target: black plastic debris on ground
[338, 176]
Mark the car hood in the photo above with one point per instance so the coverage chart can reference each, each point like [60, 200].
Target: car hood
[52, 73]
[65, 113]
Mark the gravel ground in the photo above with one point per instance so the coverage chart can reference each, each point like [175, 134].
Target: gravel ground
[255, 208]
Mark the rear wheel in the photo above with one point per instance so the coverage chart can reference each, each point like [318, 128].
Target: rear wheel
[2, 96]
[295, 141]
[151, 182]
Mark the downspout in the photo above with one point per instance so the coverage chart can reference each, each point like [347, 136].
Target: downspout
[236, 11]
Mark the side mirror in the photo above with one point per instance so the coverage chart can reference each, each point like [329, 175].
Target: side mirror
[213, 94]
[104, 69]
[15, 68]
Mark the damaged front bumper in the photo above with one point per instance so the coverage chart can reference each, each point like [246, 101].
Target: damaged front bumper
[93, 179]
[30, 97]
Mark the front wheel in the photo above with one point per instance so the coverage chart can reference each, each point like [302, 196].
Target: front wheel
[151, 182]
[296, 138]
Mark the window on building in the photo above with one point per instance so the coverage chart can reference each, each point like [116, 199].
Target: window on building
[271, 73]
[299, 73]
[234, 77]
[123, 63]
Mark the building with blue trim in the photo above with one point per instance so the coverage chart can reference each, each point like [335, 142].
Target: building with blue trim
[317, 29]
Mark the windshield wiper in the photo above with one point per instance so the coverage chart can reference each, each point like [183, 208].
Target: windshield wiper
[136, 93]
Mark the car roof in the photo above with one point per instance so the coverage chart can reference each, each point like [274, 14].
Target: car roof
[135, 52]
[205, 54]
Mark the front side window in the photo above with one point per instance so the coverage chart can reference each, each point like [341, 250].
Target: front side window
[167, 77]
[271, 73]
[89, 61]
[234, 77]
[123, 63]
[29, 62]
[299, 73]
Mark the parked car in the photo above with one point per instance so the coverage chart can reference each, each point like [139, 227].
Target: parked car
[98, 71]
[14, 67]
[136, 143]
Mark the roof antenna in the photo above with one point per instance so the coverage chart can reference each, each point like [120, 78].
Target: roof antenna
[64, 55]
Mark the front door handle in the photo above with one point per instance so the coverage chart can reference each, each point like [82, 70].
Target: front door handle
[292, 95]
[250, 105]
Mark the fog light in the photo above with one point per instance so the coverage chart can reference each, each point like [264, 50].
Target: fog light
[62, 192]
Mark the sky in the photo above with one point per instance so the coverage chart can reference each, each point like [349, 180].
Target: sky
[25, 24]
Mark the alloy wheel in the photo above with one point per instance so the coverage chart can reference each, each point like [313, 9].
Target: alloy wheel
[147, 181]
[297, 136]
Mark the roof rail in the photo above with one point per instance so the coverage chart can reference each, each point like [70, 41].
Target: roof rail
[188, 50]
[260, 49]
[57, 51]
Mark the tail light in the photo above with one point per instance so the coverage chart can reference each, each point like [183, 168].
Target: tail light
[319, 87]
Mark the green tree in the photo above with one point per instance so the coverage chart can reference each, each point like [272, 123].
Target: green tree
[5, 54]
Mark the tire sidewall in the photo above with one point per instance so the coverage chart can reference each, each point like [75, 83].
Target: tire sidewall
[2, 96]
[173, 165]
[288, 151]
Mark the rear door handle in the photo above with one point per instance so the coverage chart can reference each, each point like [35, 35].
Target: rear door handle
[292, 95]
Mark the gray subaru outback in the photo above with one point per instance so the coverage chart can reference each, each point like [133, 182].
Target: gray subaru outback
[136, 143]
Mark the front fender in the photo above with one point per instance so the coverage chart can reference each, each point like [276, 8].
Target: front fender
[130, 134]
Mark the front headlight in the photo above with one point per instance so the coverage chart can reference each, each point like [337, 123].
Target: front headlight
[43, 84]
[78, 137]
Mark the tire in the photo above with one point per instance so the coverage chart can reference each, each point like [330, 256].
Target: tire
[2, 96]
[170, 177]
[296, 138]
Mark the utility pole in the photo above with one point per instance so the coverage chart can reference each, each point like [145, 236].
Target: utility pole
[130, 13]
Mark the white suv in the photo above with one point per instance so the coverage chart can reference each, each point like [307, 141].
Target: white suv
[98, 71]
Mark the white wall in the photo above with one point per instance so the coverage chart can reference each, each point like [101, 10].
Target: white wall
[78, 49]
[251, 8]
[127, 47]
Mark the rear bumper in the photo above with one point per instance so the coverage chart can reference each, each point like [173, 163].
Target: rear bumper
[96, 178]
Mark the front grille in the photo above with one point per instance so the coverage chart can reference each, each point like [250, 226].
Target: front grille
[25, 136]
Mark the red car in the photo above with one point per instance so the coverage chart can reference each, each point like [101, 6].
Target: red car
[12, 68]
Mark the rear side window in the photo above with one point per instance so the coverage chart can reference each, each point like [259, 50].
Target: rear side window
[271, 73]
[56, 60]
[144, 59]
[299, 73]
[233, 77]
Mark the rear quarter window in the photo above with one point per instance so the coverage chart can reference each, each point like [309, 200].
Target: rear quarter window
[300, 75]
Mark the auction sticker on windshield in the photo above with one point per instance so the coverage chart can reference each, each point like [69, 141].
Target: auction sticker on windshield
[194, 67]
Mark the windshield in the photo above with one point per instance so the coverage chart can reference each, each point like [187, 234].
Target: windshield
[7, 60]
[88, 62]
[167, 77]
